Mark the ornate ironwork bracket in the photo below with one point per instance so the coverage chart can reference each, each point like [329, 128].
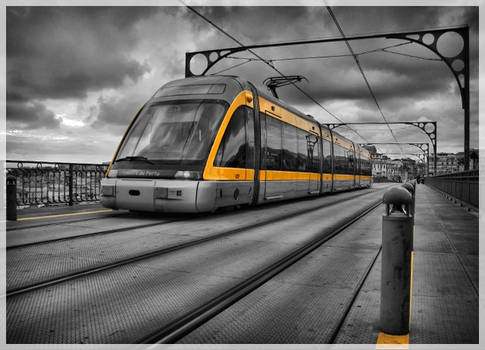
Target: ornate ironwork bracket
[458, 62]
[423, 146]
[430, 128]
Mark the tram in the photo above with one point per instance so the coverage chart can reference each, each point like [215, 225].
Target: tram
[210, 142]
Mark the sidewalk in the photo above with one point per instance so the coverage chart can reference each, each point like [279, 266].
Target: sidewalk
[445, 283]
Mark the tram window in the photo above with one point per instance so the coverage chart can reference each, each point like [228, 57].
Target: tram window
[180, 131]
[249, 138]
[327, 156]
[340, 160]
[232, 151]
[357, 162]
[290, 151]
[272, 153]
[313, 153]
[302, 151]
[368, 167]
[350, 161]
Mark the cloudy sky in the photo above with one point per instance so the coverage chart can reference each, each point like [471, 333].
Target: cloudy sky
[77, 75]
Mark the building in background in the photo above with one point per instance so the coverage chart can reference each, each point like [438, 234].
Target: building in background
[448, 163]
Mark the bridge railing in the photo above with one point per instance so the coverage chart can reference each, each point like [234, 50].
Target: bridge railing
[463, 186]
[55, 182]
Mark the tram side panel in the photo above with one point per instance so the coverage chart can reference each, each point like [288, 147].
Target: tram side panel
[290, 165]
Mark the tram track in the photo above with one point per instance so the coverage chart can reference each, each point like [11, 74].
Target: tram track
[186, 323]
[172, 248]
[27, 227]
[96, 233]
[122, 229]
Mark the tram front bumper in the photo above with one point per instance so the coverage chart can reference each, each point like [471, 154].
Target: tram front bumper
[156, 195]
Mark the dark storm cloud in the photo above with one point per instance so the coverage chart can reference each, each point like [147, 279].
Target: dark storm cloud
[62, 52]
[261, 24]
[333, 79]
[33, 115]
[65, 52]
[115, 114]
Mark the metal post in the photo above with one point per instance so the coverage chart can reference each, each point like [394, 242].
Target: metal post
[466, 98]
[11, 198]
[397, 233]
[71, 175]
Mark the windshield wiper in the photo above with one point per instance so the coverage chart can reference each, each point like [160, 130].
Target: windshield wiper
[134, 158]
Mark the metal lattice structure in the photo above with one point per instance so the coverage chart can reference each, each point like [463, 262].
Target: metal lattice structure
[458, 63]
[423, 146]
[430, 128]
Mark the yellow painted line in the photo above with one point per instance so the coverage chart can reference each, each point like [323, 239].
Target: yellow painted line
[388, 341]
[68, 214]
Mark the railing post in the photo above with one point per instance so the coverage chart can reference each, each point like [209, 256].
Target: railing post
[70, 184]
[397, 245]
[11, 198]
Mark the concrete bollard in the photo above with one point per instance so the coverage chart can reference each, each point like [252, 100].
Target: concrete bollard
[11, 198]
[397, 237]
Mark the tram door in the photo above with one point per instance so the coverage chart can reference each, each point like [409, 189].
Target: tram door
[313, 162]
[354, 165]
[359, 167]
[272, 157]
[237, 152]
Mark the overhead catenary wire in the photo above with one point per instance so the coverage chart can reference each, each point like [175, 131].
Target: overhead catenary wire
[232, 67]
[356, 59]
[382, 49]
[272, 66]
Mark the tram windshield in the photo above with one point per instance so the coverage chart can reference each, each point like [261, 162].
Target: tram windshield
[176, 132]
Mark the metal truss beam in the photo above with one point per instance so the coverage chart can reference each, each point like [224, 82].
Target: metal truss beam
[423, 146]
[458, 63]
[430, 128]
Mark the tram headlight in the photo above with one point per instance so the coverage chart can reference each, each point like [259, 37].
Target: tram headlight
[108, 190]
[187, 175]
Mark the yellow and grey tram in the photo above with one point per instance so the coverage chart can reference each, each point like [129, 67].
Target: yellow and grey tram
[204, 143]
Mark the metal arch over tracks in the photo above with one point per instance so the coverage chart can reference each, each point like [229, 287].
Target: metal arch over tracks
[424, 126]
[423, 146]
[459, 64]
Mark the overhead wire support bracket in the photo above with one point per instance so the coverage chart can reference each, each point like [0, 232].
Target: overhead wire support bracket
[459, 64]
[430, 128]
[423, 146]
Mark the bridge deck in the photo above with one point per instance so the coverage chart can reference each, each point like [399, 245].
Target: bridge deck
[445, 283]
[311, 302]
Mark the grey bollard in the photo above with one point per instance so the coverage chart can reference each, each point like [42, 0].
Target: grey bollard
[397, 233]
[11, 198]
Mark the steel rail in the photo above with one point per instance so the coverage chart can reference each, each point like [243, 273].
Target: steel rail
[169, 249]
[355, 294]
[104, 232]
[193, 319]
[23, 245]
[69, 221]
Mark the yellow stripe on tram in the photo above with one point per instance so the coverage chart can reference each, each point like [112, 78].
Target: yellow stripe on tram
[61, 215]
